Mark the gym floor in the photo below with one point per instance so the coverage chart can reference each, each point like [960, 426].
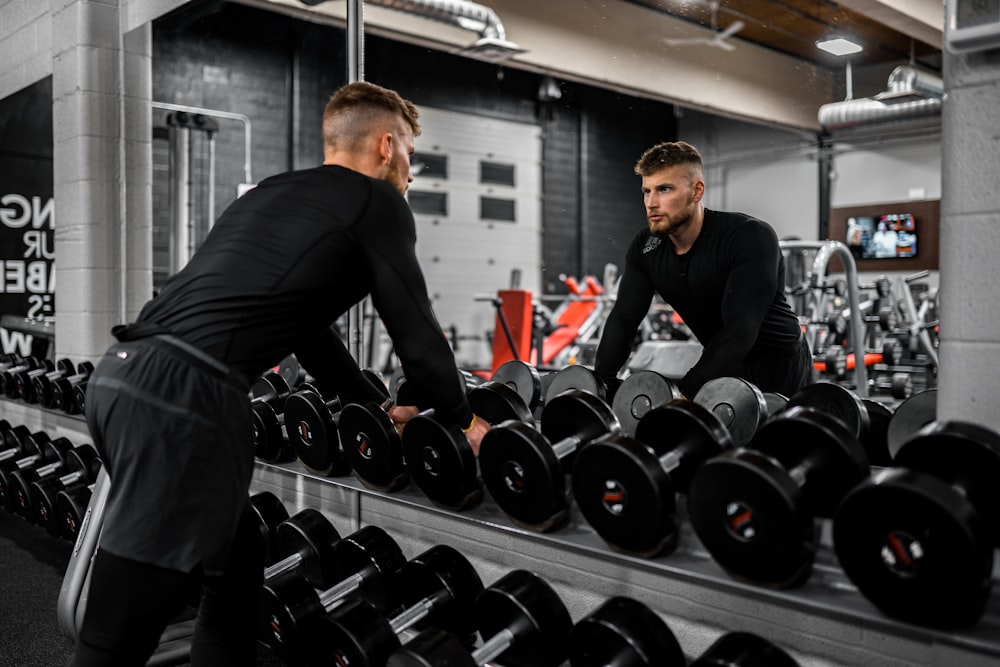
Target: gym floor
[32, 563]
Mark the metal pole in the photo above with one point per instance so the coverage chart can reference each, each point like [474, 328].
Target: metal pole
[356, 72]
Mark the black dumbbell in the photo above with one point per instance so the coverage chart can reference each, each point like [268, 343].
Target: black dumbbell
[744, 649]
[627, 487]
[63, 390]
[42, 386]
[437, 589]
[625, 633]
[438, 456]
[79, 468]
[522, 621]
[70, 509]
[639, 393]
[900, 385]
[525, 469]
[853, 412]
[366, 564]
[574, 377]
[312, 420]
[877, 442]
[16, 443]
[918, 539]
[740, 405]
[267, 401]
[306, 542]
[25, 380]
[42, 449]
[8, 385]
[269, 512]
[522, 378]
[81, 459]
[754, 509]
[909, 416]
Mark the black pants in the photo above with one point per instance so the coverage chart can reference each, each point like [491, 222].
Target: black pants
[784, 374]
[130, 604]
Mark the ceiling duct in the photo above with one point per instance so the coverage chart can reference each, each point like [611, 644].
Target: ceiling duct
[911, 94]
[492, 44]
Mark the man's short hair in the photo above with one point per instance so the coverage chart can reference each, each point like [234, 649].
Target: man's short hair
[668, 154]
[359, 108]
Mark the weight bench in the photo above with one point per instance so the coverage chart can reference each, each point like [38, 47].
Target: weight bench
[175, 642]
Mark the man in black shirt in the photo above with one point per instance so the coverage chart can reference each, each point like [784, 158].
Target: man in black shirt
[168, 404]
[723, 273]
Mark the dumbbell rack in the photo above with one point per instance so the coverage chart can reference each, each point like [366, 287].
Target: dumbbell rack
[826, 622]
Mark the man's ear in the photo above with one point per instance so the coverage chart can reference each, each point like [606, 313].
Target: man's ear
[699, 189]
[385, 147]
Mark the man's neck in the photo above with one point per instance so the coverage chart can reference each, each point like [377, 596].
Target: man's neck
[685, 237]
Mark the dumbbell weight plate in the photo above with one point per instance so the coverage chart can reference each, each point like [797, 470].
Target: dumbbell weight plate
[268, 437]
[311, 534]
[623, 631]
[314, 434]
[497, 403]
[523, 600]
[915, 548]
[743, 649]
[877, 442]
[575, 377]
[909, 417]
[739, 405]
[835, 400]
[638, 394]
[522, 378]
[441, 462]
[269, 512]
[373, 447]
[775, 402]
[371, 551]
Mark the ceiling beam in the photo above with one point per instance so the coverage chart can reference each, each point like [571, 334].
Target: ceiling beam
[922, 20]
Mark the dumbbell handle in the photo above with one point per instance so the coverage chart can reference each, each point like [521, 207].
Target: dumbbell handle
[411, 615]
[493, 646]
[49, 468]
[284, 565]
[566, 446]
[670, 461]
[31, 459]
[72, 477]
[331, 596]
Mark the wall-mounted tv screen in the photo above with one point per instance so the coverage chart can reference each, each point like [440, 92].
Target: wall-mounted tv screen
[888, 236]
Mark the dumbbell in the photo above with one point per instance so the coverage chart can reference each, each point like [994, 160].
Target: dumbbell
[306, 542]
[16, 443]
[754, 509]
[312, 420]
[438, 456]
[574, 377]
[627, 487]
[7, 383]
[79, 468]
[43, 450]
[624, 633]
[70, 508]
[877, 442]
[744, 649]
[269, 512]
[918, 539]
[267, 400]
[43, 386]
[25, 380]
[437, 589]
[740, 405]
[909, 417]
[65, 459]
[853, 412]
[639, 393]
[68, 392]
[522, 622]
[900, 385]
[366, 564]
[522, 378]
[525, 469]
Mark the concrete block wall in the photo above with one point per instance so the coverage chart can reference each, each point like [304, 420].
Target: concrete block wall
[25, 44]
[970, 236]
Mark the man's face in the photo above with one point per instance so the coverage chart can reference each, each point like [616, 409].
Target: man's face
[399, 173]
[670, 199]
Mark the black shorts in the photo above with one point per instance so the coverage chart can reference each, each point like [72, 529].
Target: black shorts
[173, 428]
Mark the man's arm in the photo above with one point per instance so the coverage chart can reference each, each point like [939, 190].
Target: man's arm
[635, 292]
[399, 293]
[751, 285]
[326, 357]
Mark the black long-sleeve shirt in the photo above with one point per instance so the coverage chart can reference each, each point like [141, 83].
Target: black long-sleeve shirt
[291, 256]
[728, 288]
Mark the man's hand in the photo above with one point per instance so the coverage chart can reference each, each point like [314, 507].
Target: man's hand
[400, 414]
[475, 435]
